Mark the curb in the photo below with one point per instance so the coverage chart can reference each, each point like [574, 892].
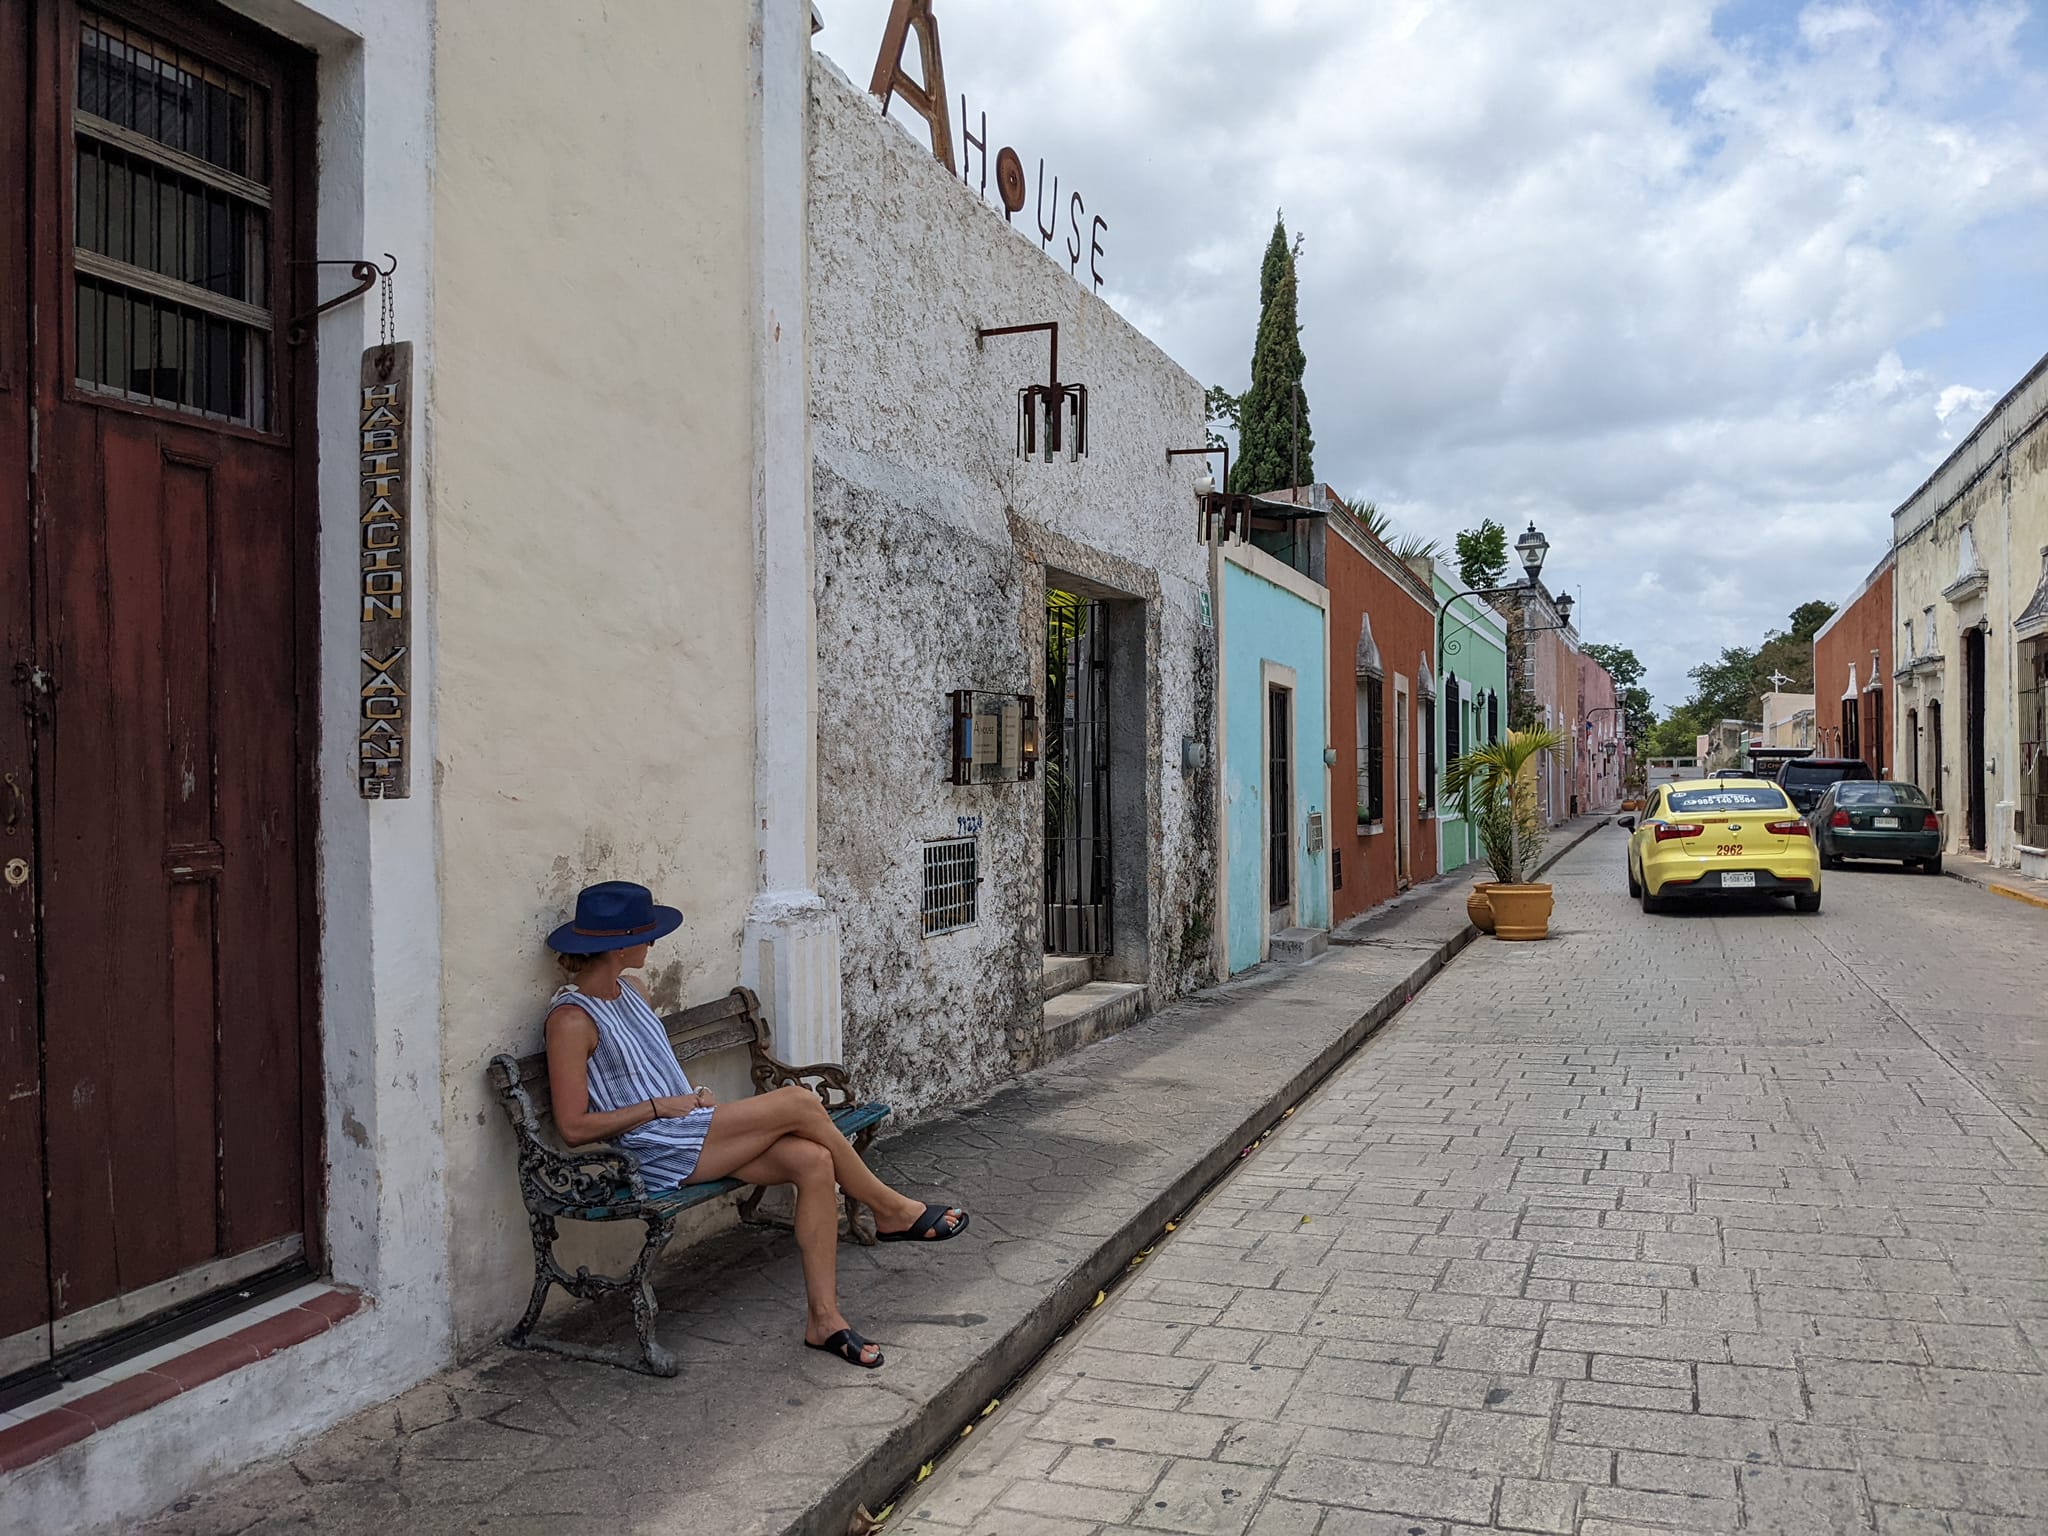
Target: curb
[2007, 891]
[937, 1424]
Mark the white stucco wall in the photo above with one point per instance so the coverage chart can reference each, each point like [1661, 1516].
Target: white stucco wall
[933, 542]
[593, 473]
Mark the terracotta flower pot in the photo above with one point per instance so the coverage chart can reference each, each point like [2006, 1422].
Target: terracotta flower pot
[1478, 907]
[1520, 911]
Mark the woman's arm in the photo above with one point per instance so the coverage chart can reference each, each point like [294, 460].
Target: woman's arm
[571, 1040]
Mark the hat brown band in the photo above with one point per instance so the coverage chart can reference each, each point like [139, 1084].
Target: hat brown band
[612, 933]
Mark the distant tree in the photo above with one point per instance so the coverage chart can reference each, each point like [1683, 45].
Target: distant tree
[1275, 447]
[1220, 405]
[1483, 556]
[1413, 546]
[1676, 735]
[1638, 715]
[1807, 618]
[1369, 517]
[1726, 688]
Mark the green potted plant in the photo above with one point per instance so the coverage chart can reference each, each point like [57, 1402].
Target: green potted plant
[1495, 786]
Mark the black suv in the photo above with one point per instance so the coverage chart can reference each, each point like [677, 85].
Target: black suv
[1806, 779]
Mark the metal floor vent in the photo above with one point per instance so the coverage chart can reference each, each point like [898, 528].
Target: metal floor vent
[952, 885]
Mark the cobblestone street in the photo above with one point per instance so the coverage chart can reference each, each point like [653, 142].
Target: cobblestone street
[1722, 1221]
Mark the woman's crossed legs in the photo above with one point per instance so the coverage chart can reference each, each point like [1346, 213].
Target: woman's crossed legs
[787, 1137]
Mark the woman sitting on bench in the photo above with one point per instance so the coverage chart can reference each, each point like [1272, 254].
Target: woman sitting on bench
[614, 1077]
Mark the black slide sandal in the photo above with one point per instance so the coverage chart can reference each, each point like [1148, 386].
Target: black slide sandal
[847, 1345]
[927, 1228]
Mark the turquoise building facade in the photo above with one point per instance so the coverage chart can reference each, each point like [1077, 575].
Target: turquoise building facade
[1273, 733]
[1472, 702]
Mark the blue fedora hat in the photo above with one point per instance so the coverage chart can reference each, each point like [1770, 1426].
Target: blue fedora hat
[613, 914]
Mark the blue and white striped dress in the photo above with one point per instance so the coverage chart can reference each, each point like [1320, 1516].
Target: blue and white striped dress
[633, 1063]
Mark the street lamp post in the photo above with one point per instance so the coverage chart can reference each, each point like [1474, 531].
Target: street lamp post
[1532, 547]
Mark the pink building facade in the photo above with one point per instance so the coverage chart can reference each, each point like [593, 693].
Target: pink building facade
[1599, 748]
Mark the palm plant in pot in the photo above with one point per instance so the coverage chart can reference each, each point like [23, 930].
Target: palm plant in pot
[1495, 786]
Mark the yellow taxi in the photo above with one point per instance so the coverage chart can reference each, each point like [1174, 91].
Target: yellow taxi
[1715, 837]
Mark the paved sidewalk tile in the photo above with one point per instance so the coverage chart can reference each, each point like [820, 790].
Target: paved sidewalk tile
[1727, 1221]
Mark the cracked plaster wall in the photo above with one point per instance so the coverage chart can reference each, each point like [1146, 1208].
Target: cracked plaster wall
[933, 543]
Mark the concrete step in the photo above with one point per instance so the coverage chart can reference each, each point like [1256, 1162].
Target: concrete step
[1291, 946]
[1063, 973]
[1092, 1011]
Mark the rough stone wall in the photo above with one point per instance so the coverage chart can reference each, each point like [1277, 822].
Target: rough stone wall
[933, 547]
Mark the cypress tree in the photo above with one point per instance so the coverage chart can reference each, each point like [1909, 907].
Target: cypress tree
[1271, 423]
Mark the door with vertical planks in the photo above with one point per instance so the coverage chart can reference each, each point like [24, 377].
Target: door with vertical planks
[156, 623]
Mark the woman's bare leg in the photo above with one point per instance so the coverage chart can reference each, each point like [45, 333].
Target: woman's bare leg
[741, 1131]
[793, 1160]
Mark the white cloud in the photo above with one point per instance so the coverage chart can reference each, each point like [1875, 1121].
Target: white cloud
[1616, 268]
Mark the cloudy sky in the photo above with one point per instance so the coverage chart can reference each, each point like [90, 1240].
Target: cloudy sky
[1703, 289]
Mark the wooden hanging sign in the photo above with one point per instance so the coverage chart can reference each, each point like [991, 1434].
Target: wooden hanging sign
[384, 448]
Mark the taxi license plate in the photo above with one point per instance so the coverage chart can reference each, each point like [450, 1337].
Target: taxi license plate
[1886, 823]
[1738, 880]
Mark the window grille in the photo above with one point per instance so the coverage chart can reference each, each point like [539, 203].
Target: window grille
[952, 885]
[1492, 716]
[1852, 742]
[171, 247]
[1452, 719]
[1372, 768]
[1428, 756]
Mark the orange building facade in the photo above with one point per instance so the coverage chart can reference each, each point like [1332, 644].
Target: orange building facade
[1852, 680]
[1384, 717]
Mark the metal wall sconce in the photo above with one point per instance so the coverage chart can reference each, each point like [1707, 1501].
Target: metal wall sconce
[1220, 511]
[994, 737]
[1050, 416]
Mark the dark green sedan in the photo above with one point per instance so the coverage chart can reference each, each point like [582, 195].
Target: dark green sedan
[1876, 819]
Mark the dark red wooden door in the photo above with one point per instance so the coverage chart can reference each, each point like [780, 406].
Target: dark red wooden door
[165, 544]
[24, 1272]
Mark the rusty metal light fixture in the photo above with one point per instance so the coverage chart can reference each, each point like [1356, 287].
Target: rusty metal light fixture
[1050, 416]
[1217, 507]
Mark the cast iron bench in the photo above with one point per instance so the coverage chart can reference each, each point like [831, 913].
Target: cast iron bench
[603, 1183]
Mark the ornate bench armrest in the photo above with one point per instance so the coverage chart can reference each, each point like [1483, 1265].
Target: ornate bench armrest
[596, 1175]
[827, 1079]
[579, 1177]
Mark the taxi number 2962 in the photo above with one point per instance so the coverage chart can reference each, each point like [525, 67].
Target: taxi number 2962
[1728, 850]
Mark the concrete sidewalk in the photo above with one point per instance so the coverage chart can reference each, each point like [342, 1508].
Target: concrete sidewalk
[1999, 881]
[1068, 1172]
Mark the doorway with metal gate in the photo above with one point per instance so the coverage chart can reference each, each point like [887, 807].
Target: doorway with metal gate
[1976, 785]
[1076, 754]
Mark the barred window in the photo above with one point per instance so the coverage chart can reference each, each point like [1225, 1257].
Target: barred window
[171, 245]
[952, 885]
[1852, 741]
[1492, 716]
[1453, 721]
[1428, 756]
[1372, 695]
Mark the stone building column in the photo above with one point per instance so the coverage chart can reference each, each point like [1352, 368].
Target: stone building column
[790, 948]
